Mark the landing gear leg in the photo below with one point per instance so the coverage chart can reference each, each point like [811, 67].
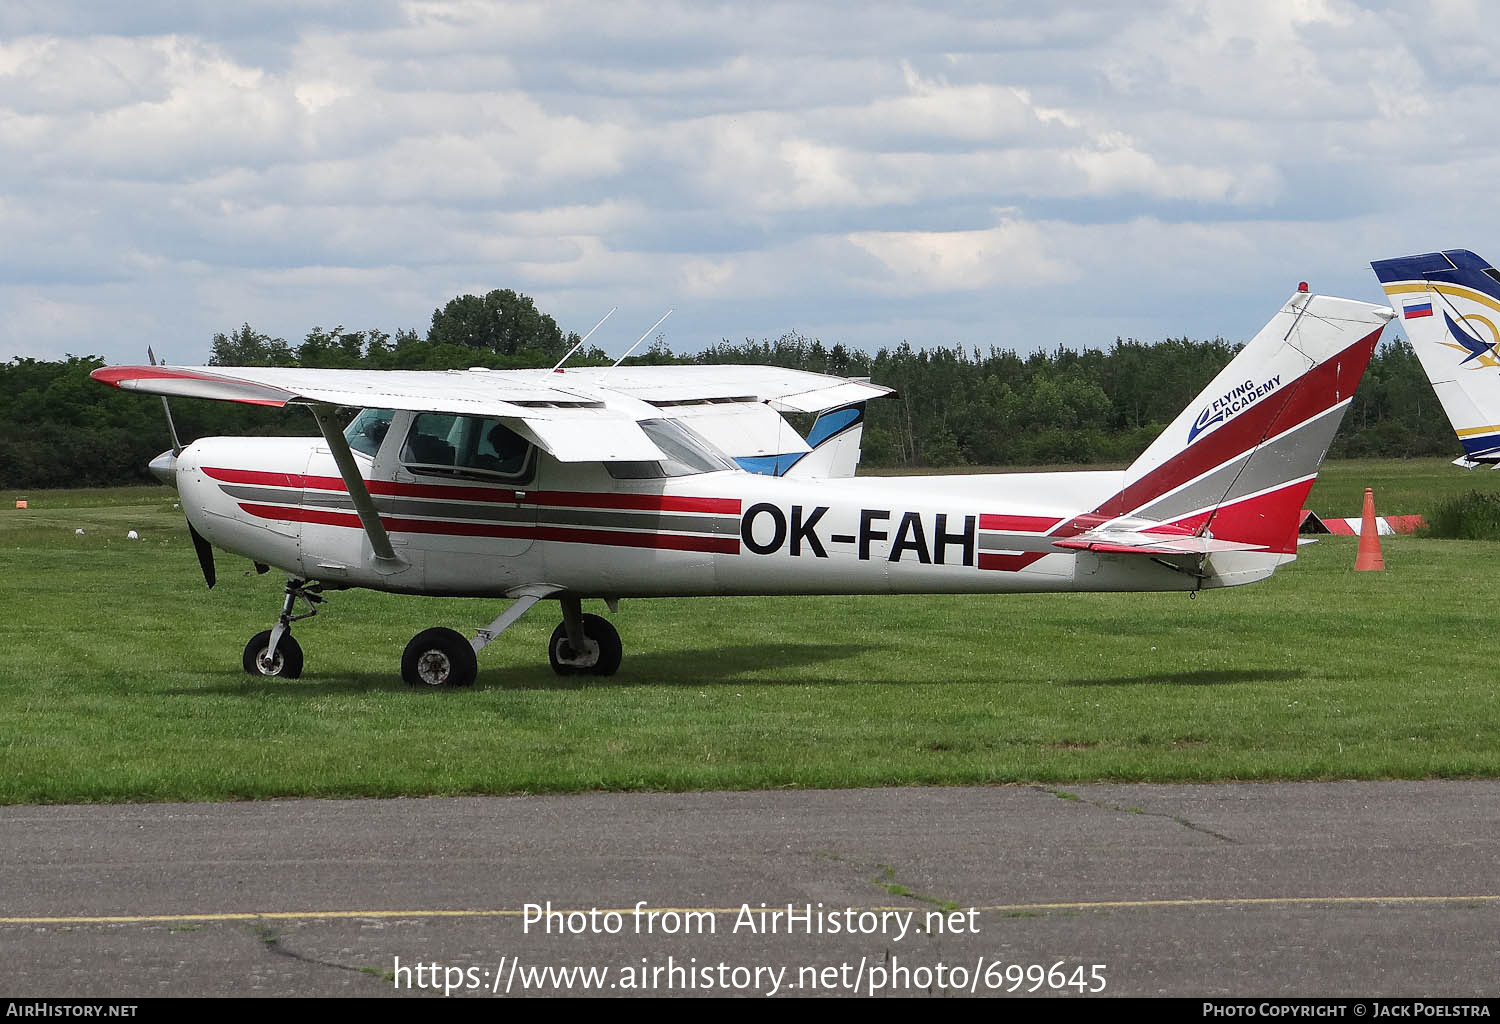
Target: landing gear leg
[584, 643]
[273, 653]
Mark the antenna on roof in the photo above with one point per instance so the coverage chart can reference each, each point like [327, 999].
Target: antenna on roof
[638, 341]
[586, 337]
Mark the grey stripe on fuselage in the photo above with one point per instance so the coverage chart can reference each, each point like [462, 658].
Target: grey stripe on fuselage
[497, 512]
[1294, 454]
[1015, 542]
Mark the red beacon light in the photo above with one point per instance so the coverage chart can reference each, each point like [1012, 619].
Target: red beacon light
[1302, 286]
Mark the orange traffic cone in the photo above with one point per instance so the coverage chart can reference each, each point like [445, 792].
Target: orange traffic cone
[1369, 559]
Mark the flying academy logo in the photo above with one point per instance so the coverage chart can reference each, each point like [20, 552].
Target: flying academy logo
[1232, 403]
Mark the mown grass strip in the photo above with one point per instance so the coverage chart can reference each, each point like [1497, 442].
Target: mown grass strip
[120, 680]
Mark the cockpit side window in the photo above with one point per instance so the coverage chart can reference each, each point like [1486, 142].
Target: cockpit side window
[449, 444]
[367, 430]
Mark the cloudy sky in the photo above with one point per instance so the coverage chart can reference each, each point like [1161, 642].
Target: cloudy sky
[1012, 174]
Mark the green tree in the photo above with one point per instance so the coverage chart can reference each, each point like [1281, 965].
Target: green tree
[503, 321]
[248, 347]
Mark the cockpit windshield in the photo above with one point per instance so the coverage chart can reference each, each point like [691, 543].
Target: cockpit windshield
[368, 429]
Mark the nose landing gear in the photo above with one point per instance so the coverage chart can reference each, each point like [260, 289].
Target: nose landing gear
[273, 653]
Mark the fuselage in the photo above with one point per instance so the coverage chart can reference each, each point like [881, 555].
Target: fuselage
[580, 528]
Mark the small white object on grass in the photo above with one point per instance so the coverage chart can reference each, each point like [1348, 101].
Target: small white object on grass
[132, 535]
[78, 533]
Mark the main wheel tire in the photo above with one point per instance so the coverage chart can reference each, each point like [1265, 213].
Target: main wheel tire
[439, 657]
[608, 649]
[284, 663]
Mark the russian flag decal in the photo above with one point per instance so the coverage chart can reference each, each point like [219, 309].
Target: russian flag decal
[1412, 310]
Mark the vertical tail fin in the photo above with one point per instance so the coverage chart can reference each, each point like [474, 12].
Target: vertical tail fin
[1237, 464]
[1449, 304]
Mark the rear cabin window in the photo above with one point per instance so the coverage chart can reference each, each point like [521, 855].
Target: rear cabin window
[449, 444]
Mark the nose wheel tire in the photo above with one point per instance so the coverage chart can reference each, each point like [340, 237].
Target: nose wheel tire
[439, 657]
[603, 661]
[283, 663]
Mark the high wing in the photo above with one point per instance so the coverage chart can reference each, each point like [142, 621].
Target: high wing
[579, 415]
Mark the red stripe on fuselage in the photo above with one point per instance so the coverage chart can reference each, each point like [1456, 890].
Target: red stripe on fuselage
[1315, 392]
[667, 541]
[1019, 524]
[504, 495]
[1009, 563]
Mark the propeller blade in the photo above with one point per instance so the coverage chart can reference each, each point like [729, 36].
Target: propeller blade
[205, 556]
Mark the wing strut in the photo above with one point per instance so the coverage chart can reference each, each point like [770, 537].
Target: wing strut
[171, 427]
[386, 559]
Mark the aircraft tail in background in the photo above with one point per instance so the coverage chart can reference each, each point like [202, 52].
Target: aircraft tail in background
[834, 441]
[1449, 305]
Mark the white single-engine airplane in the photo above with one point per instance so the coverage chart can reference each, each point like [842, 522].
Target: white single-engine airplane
[621, 482]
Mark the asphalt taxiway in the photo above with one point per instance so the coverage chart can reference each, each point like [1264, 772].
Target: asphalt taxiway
[1307, 889]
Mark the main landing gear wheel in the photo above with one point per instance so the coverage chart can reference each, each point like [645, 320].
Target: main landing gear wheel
[603, 660]
[439, 657]
[284, 663]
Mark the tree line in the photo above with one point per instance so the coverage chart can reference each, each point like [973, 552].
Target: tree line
[956, 406]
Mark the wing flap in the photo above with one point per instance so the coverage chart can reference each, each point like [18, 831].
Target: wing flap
[604, 437]
[847, 392]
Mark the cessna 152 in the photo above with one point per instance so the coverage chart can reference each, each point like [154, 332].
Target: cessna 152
[1449, 303]
[621, 482]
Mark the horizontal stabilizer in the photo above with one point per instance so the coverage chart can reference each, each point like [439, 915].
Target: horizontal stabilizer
[1120, 542]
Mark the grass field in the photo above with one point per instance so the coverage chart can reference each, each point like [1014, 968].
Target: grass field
[120, 676]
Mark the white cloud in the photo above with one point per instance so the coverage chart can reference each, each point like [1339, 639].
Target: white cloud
[930, 261]
[768, 167]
